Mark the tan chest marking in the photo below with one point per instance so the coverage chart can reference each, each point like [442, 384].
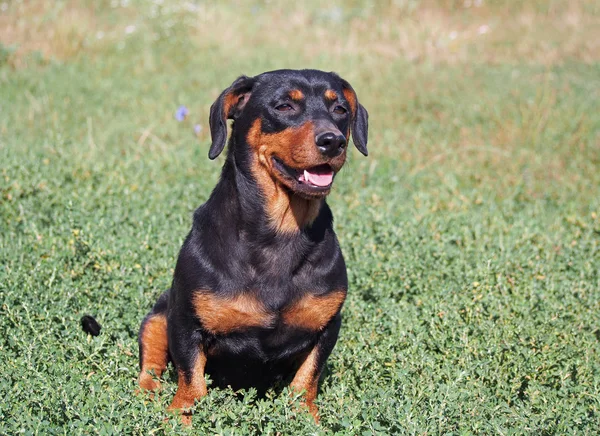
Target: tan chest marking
[223, 315]
[313, 312]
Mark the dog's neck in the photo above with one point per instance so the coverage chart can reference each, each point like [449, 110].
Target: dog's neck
[264, 204]
[287, 213]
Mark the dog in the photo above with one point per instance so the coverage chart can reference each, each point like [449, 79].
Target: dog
[260, 279]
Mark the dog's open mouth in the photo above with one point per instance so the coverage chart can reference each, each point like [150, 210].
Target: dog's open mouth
[316, 179]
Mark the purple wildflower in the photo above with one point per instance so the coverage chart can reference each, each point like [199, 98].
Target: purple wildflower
[197, 129]
[181, 113]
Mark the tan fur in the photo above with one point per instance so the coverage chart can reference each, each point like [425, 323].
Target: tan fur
[188, 393]
[154, 352]
[229, 102]
[222, 316]
[313, 312]
[307, 380]
[295, 147]
[351, 97]
[330, 94]
[296, 94]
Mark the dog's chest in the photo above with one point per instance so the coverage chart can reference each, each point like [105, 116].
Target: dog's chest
[222, 316]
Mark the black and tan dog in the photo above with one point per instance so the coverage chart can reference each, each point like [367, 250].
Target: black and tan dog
[260, 279]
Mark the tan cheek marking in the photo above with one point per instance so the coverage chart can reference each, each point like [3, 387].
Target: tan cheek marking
[254, 134]
[222, 316]
[314, 312]
[295, 146]
[287, 213]
[296, 94]
[154, 351]
[307, 380]
[188, 393]
[330, 94]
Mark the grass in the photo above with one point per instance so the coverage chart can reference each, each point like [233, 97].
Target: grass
[471, 232]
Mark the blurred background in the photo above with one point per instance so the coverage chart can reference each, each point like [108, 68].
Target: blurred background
[448, 83]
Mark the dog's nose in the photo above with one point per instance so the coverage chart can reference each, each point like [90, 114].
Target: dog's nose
[330, 144]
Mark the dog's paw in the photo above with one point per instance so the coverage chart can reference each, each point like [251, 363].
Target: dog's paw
[147, 384]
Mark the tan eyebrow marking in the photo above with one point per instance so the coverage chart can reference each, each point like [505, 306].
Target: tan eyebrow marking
[296, 94]
[330, 94]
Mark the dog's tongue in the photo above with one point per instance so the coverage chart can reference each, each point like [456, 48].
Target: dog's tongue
[319, 176]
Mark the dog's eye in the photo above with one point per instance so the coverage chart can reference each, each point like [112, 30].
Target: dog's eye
[340, 110]
[284, 107]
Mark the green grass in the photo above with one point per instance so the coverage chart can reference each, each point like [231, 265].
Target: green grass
[471, 232]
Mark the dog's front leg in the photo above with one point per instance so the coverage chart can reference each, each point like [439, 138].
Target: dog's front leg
[189, 357]
[307, 377]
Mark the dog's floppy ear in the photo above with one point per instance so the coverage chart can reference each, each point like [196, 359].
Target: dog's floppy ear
[360, 119]
[228, 106]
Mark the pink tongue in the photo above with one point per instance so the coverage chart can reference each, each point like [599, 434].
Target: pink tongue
[319, 178]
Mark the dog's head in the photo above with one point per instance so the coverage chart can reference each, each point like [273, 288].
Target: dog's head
[294, 125]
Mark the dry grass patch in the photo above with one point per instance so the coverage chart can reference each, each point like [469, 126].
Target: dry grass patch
[435, 32]
[54, 29]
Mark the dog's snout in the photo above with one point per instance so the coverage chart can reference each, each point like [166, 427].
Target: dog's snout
[330, 144]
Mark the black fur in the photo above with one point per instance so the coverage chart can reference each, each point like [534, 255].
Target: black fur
[232, 247]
